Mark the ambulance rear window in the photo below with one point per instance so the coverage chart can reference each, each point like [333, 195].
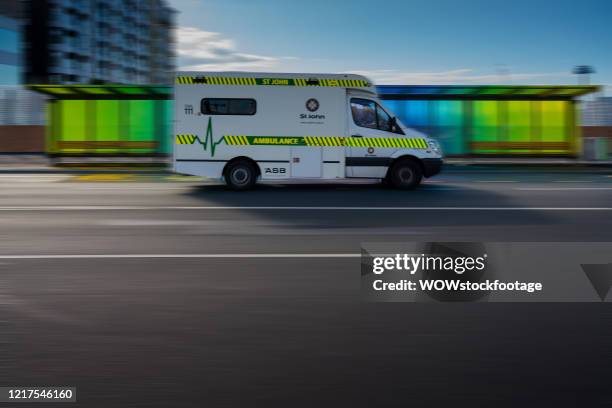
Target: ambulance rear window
[228, 106]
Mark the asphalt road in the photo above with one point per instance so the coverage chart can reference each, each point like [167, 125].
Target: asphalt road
[235, 329]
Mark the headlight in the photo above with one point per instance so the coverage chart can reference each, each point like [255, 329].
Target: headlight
[434, 146]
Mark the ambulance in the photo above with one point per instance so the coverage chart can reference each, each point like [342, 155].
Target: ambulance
[245, 128]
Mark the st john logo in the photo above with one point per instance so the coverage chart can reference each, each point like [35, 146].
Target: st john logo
[312, 105]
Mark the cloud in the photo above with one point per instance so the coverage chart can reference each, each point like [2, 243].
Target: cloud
[462, 76]
[210, 51]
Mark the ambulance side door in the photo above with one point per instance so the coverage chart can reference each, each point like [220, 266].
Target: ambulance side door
[367, 120]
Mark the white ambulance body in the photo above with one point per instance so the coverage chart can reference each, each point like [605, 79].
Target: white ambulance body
[247, 127]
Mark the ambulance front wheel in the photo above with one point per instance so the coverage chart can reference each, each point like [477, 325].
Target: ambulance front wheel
[241, 175]
[405, 174]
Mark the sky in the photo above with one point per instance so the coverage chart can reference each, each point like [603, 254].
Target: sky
[401, 42]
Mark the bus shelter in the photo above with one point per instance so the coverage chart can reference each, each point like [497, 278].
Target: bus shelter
[108, 120]
[492, 120]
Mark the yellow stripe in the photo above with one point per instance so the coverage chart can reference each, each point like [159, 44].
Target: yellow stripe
[354, 83]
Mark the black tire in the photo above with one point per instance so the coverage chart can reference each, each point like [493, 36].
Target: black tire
[241, 175]
[406, 174]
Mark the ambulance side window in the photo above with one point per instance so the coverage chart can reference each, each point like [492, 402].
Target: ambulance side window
[228, 106]
[364, 112]
[369, 114]
[384, 120]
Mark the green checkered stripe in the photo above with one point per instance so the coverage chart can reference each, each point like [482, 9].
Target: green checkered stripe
[244, 140]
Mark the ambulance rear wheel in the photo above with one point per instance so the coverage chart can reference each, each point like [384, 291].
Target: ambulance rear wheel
[406, 175]
[241, 175]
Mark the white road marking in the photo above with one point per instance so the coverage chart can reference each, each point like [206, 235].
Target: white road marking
[560, 188]
[142, 256]
[289, 208]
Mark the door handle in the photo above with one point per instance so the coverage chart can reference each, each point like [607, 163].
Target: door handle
[356, 136]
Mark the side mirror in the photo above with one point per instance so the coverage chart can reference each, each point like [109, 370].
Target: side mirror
[393, 123]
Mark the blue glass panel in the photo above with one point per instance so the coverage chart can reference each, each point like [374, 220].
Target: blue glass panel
[9, 40]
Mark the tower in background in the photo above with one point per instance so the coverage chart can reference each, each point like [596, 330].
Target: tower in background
[10, 42]
[98, 42]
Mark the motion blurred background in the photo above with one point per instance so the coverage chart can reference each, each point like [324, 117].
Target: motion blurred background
[86, 300]
[84, 79]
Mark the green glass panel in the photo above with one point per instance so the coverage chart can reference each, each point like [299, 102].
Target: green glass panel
[554, 121]
[72, 128]
[142, 124]
[485, 126]
[518, 121]
[448, 126]
[142, 120]
[108, 124]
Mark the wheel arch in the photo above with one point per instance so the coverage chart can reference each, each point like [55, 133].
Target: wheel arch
[403, 158]
[241, 158]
